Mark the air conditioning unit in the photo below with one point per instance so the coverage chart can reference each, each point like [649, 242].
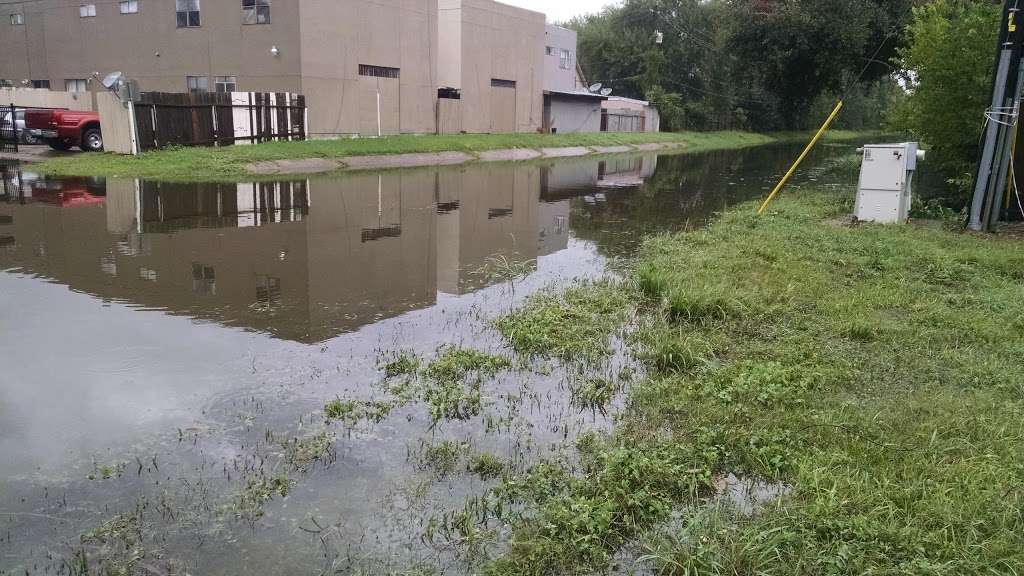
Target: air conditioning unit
[885, 192]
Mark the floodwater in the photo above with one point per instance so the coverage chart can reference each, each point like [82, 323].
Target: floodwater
[161, 344]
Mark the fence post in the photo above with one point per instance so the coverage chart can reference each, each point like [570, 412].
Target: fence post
[133, 129]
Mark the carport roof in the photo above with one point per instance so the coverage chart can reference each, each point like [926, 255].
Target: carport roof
[575, 94]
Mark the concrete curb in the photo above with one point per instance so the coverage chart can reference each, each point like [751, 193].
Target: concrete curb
[355, 163]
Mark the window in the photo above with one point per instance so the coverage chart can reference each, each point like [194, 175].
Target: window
[565, 60]
[268, 291]
[87, 10]
[255, 11]
[224, 83]
[378, 71]
[76, 85]
[204, 279]
[551, 50]
[41, 84]
[188, 13]
[449, 93]
[497, 83]
[129, 6]
[17, 19]
[198, 83]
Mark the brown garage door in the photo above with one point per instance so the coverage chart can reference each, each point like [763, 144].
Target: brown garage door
[503, 106]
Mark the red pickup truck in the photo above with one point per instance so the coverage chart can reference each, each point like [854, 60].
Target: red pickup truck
[63, 129]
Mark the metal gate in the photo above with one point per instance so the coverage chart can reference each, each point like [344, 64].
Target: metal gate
[8, 130]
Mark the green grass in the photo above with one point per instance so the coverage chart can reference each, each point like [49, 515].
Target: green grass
[574, 325]
[228, 163]
[877, 371]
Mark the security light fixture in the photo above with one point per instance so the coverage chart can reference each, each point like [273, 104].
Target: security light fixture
[274, 51]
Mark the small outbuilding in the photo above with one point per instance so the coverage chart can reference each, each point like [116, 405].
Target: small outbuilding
[571, 112]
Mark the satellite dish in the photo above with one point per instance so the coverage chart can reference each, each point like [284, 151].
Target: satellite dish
[595, 88]
[606, 92]
[111, 80]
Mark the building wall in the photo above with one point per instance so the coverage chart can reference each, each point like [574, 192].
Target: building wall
[570, 115]
[340, 35]
[320, 47]
[505, 43]
[557, 77]
[56, 44]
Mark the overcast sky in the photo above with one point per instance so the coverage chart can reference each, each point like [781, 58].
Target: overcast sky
[561, 10]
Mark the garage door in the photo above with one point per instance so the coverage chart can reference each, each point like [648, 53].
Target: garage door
[503, 106]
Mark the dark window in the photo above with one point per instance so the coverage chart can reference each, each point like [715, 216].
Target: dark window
[255, 11]
[188, 13]
[41, 84]
[17, 19]
[550, 50]
[498, 83]
[225, 83]
[378, 71]
[449, 93]
[198, 83]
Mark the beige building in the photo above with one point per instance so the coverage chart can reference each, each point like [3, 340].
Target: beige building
[492, 54]
[365, 66]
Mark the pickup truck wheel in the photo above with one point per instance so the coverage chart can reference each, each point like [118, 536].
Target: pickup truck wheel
[59, 145]
[92, 140]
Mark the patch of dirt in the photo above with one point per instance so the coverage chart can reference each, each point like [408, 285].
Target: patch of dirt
[1014, 231]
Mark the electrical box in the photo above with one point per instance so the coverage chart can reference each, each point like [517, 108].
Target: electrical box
[886, 182]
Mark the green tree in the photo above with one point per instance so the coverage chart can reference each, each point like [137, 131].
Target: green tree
[947, 65]
[758, 64]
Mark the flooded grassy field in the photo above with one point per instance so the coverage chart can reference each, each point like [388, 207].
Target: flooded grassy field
[305, 377]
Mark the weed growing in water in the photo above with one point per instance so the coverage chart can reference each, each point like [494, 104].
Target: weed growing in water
[403, 364]
[486, 466]
[352, 412]
[442, 458]
[302, 453]
[454, 381]
[574, 325]
[248, 503]
[107, 471]
[594, 394]
[503, 269]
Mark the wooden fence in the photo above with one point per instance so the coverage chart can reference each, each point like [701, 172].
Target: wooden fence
[218, 119]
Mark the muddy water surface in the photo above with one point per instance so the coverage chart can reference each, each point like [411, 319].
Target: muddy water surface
[166, 346]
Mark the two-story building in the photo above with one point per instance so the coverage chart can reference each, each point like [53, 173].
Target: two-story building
[568, 104]
[365, 66]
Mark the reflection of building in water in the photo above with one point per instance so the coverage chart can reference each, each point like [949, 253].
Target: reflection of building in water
[625, 172]
[301, 260]
[485, 214]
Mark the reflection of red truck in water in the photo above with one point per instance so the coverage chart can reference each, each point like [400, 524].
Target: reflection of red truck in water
[63, 129]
